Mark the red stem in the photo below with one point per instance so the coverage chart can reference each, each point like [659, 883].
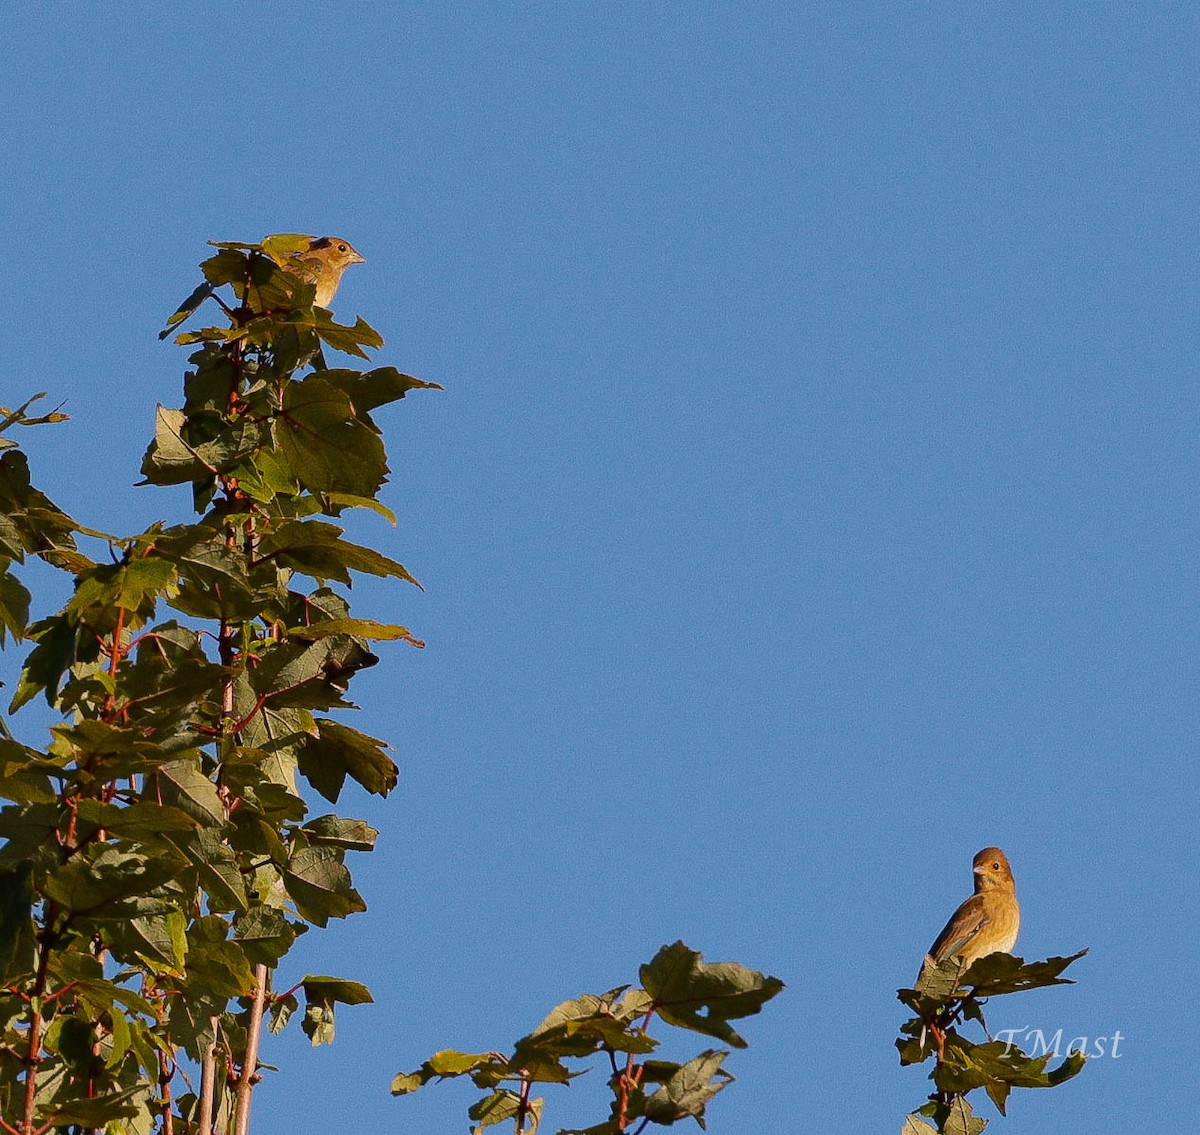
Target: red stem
[630, 1078]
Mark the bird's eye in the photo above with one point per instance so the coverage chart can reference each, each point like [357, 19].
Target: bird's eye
[341, 248]
[995, 866]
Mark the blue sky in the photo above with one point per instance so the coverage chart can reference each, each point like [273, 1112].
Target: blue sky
[811, 502]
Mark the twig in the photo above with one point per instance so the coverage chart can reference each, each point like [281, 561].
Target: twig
[208, 1083]
[248, 1078]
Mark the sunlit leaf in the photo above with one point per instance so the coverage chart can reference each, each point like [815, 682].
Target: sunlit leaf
[704, 997]
[688, 1091]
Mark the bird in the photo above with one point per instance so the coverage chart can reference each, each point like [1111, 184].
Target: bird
[988, 922]
[323, 263]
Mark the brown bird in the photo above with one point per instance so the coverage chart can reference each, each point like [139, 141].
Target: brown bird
[988, 922]
[323, 263]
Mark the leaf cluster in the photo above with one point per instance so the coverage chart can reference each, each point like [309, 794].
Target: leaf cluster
[947, 995]
[30, 523]
[159, 857]
[677, 986]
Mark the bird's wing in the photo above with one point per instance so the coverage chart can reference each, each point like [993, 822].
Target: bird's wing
[964, 924]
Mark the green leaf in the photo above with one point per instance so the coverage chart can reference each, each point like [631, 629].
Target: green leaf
[160, 939]
[447, 1064]
[345, 657]
[915, 1044]
[998, 1092]
[375, 387]
[165, 684]
[339, 751]
[501, 1106]
[72, 1039]
[317, 549]
[228, 266]
[961, 1120]
[361, 628]
[282, 1009]
[217, 966]
[286, 666]
[334, 503]
[588, 1023]
[938, 982]
[354, 835]
[31, 833]
[92, 1113]
[280, 246]
[990, 976]
[60, 644]
[327, 448]
[16, 923]
[688, 1091]
[103, 753]
[333, 989]
[403, 1083]
[14, 607]
[171, 459]
[24, 776]
[350, 340]
[184, 786]
[216, 581]
[318, 1022]
[131, 587]
[265, 935]
[99, 997]
[128, 1035]
[41, 526]
[74, 966]
[321, 994]
[12, 547]
[704, 997]
[189, 305]
[319, 884]
[219, 872]
[135, 821]
[223, 335]
[94, 888]
[268, 477]
[997, 1066]
[997, 974]
[1070, 1067]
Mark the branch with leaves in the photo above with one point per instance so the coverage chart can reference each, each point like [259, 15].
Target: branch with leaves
[678, 988]
[160, 859]
[946, 996]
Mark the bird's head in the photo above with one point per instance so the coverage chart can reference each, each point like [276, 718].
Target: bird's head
[991, 869]
[335, 252]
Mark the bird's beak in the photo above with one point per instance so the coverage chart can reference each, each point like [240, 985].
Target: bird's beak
[357, 259]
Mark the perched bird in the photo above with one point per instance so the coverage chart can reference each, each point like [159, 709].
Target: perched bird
[988, 922]
[323, 263]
